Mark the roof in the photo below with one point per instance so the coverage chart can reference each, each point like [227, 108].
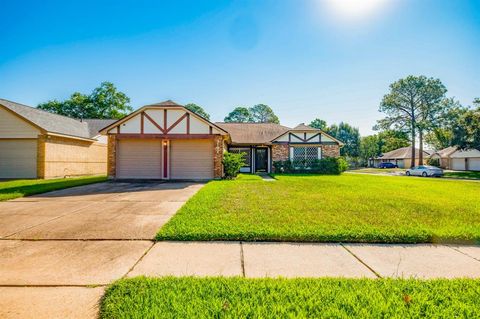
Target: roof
[253, 133]
[54, 123]
[302, 127]
[95, 125]
[465, 153]
[404, 152]
[446, 152]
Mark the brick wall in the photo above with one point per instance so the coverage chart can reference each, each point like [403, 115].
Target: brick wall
[41, 156]
[218, 156]
[280, 152]
[330, 150]
[112, 156]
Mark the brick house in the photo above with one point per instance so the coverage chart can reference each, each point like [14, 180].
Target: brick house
[167, 141]
[39, 144]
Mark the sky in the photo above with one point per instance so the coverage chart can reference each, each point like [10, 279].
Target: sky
[328, 59]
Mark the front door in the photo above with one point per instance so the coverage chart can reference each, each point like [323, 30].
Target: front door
[261, 159]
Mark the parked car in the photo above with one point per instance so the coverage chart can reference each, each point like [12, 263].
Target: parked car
[387, 165]
[425, 171]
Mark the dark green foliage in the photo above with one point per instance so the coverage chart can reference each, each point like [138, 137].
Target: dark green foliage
[105, 102]
[197, 110]
[433, 162]
[189, 297]
[466, 134]
[319, 124]
[26, 187]
[328, 165]
[348, 135]
[239, 115]
[262, 113]
[232, 163]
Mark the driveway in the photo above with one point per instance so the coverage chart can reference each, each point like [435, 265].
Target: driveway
[61, 248]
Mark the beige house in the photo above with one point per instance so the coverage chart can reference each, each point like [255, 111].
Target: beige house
[167, 141]
[39, 144]
[401, 157]
[443, 156]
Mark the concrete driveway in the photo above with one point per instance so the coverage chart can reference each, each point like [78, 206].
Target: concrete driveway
[56, 247]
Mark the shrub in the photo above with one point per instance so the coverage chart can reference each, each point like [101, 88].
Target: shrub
[232, 162]
[329, 165]
[434, 162]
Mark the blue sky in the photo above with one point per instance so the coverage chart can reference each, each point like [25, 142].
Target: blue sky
[331, 59]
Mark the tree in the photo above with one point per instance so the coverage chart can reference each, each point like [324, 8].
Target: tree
[319, 124]
[239, 115]
[348, 135]
[412, 105]
[390, 140]
[476, 102]
[467, 132]
[262, 113]
[197, 110]
[105, 102]
[369, 148]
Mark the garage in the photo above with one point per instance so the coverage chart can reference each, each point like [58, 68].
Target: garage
[18, 158]
[458, 164]
[191, 159]
[139, 158]
[474, 164]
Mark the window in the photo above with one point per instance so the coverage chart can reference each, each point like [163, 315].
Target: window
[304, 156]
[245, 151]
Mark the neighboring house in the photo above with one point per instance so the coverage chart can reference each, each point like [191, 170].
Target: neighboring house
[402, 157]
[167, 141]
[443, 156]
[38, 144]
[465, 160]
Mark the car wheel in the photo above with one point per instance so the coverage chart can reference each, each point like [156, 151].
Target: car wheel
[407, 173]
[424, 174]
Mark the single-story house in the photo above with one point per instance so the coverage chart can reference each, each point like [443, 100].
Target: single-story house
[167, 141]
[465, 160]
[443, 156]
[402, 157]
[38, 144]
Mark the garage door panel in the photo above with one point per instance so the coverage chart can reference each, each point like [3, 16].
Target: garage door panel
[458, 164]
[474, 164]
[18, 158]
[139, 158]
[191, 159]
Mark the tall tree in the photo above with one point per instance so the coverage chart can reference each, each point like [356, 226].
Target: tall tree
[411, 105]
[467, 132]
[348, 135]
[105, 102]
[319, 124]
[197, 110]
[390, 140]
[239, 115]
[262, 113]
[369, 148]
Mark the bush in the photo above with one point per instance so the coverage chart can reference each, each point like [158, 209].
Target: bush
[329, 165]
[232, 162]
[434, 162]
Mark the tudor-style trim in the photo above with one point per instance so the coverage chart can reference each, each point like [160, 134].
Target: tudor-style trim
[152, 121]
[319, 132]
[142, 120]
[165, 136]
[181, 118]
[188, 123]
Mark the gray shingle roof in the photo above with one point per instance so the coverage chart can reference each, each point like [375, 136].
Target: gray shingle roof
[404, 152]
[95, 125]
[253, 133]
[54, 123]
[303, 127]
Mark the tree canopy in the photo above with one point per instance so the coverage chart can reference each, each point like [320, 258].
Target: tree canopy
[348, 135]
[413, 105]
[239, 115]
[105, 102]
[319, 124]
[197, 110]
[262, 113]
[466, 133]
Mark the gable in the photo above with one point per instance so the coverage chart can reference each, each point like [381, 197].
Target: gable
[163, 120]
[12, 126]
[305, 137]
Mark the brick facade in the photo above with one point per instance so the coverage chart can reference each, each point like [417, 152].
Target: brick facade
[280, 152]
[330, 150]
[112, 156]
[218, 150]
[41, 156]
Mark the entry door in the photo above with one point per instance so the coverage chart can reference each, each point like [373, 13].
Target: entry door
[261, 159]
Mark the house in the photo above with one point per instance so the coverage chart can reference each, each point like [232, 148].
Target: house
[443, 156]
[167, 141]
[402, 157]
[38, 144]
[465, 160]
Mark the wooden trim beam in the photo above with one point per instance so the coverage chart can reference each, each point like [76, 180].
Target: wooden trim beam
[176, 122]
[154, 123]
[142, 120]
[188, 123]
[166, 136]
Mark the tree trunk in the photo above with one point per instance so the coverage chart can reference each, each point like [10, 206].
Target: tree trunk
[420, 147]
[412, 160]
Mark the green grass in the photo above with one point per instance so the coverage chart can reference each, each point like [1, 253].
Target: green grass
[25, 187]
[291, 298]
[466, 174]
[345, 208]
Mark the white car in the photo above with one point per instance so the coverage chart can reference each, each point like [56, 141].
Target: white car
[425, 171]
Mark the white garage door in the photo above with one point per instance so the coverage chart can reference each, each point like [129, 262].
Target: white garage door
[191, 159]
[458, 164]
[474, 164]
[139, 158]
[18, 158]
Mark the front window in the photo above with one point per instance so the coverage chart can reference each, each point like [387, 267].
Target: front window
[304, 156]
[246, 154]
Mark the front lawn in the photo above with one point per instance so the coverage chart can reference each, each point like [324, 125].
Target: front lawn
[345, 208]
[25, 187]
[462, 174]
[290, 298]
